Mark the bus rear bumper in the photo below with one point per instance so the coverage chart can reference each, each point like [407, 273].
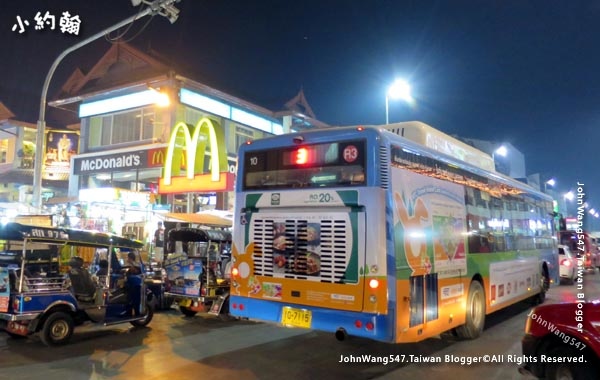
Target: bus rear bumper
[339, 322]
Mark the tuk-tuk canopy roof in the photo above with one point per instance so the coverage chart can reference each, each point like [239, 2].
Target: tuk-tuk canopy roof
[205, 219]
[199, 234]
[17, 231]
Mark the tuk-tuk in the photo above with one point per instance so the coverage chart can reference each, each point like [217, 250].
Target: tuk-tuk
[36, 297]
[198, 269]
[155, 276]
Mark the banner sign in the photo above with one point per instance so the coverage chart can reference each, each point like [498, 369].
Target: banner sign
[60, 146]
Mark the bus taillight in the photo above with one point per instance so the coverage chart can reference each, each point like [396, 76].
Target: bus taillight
[370, 326]
[374, 283]
[358, 324]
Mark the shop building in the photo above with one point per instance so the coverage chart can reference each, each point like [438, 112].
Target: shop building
[138, 119]
[17, 155]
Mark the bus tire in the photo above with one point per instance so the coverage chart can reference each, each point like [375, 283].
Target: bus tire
[475, 313]
[57, 329]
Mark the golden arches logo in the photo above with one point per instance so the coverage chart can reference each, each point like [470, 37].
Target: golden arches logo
[203, 134]
[158, 157]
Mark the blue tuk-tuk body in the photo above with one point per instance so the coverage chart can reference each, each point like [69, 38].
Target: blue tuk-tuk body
[35, 297]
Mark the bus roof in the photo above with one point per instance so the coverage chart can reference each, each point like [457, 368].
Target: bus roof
[17, 231]
[437, 140]
[350, 132]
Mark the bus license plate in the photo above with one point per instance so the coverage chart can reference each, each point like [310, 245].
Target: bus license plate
[296, 317]
[185, 303]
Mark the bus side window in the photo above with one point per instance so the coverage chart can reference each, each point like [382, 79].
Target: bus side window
[479, 244]
[474, 243]
[485, 246]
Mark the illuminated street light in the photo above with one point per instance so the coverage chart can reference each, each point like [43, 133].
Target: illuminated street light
[551, 182]
[161, 7]
[570, 195]
[400, 89]
[500, 151]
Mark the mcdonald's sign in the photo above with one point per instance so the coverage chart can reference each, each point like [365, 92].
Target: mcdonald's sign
[194, 145]
[156, 157]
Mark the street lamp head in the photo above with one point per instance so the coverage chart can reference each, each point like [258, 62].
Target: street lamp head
[501, 151]
[551, 182]
[570, 195]
[400, 89]
[170, 12]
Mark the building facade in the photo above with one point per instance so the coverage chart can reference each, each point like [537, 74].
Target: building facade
[133, 132]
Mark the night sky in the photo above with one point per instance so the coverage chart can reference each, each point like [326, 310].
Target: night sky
[525, 72]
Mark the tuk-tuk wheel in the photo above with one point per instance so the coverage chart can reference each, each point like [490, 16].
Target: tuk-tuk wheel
[149, 313]
[187, 311]
[57, 329]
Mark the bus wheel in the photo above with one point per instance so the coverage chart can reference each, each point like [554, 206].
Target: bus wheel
[57, 329]
[475, 318]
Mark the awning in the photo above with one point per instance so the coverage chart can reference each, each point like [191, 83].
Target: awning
[61, 200]
[203, 219]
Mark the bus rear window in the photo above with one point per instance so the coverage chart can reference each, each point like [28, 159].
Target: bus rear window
[316, 165]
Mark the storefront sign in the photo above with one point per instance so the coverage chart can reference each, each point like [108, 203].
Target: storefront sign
[110, 162]
[156, 157]
[188, 151]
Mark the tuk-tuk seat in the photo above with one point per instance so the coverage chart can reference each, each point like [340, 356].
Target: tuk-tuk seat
[82, 282]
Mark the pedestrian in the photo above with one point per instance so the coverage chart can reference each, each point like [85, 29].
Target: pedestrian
[159, 243]
[132, 285]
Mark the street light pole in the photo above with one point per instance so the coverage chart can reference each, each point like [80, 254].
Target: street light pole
[387, 109]
[162, 7]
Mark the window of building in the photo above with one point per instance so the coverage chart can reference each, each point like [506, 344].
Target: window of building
[239, 134]
[123, 127]
[242, 135]
[3, 151]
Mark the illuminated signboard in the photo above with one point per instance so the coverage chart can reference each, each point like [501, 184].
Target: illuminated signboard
[60, 146]
[187, 151]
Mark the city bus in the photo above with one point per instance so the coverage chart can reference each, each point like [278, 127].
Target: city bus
[361, 231]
